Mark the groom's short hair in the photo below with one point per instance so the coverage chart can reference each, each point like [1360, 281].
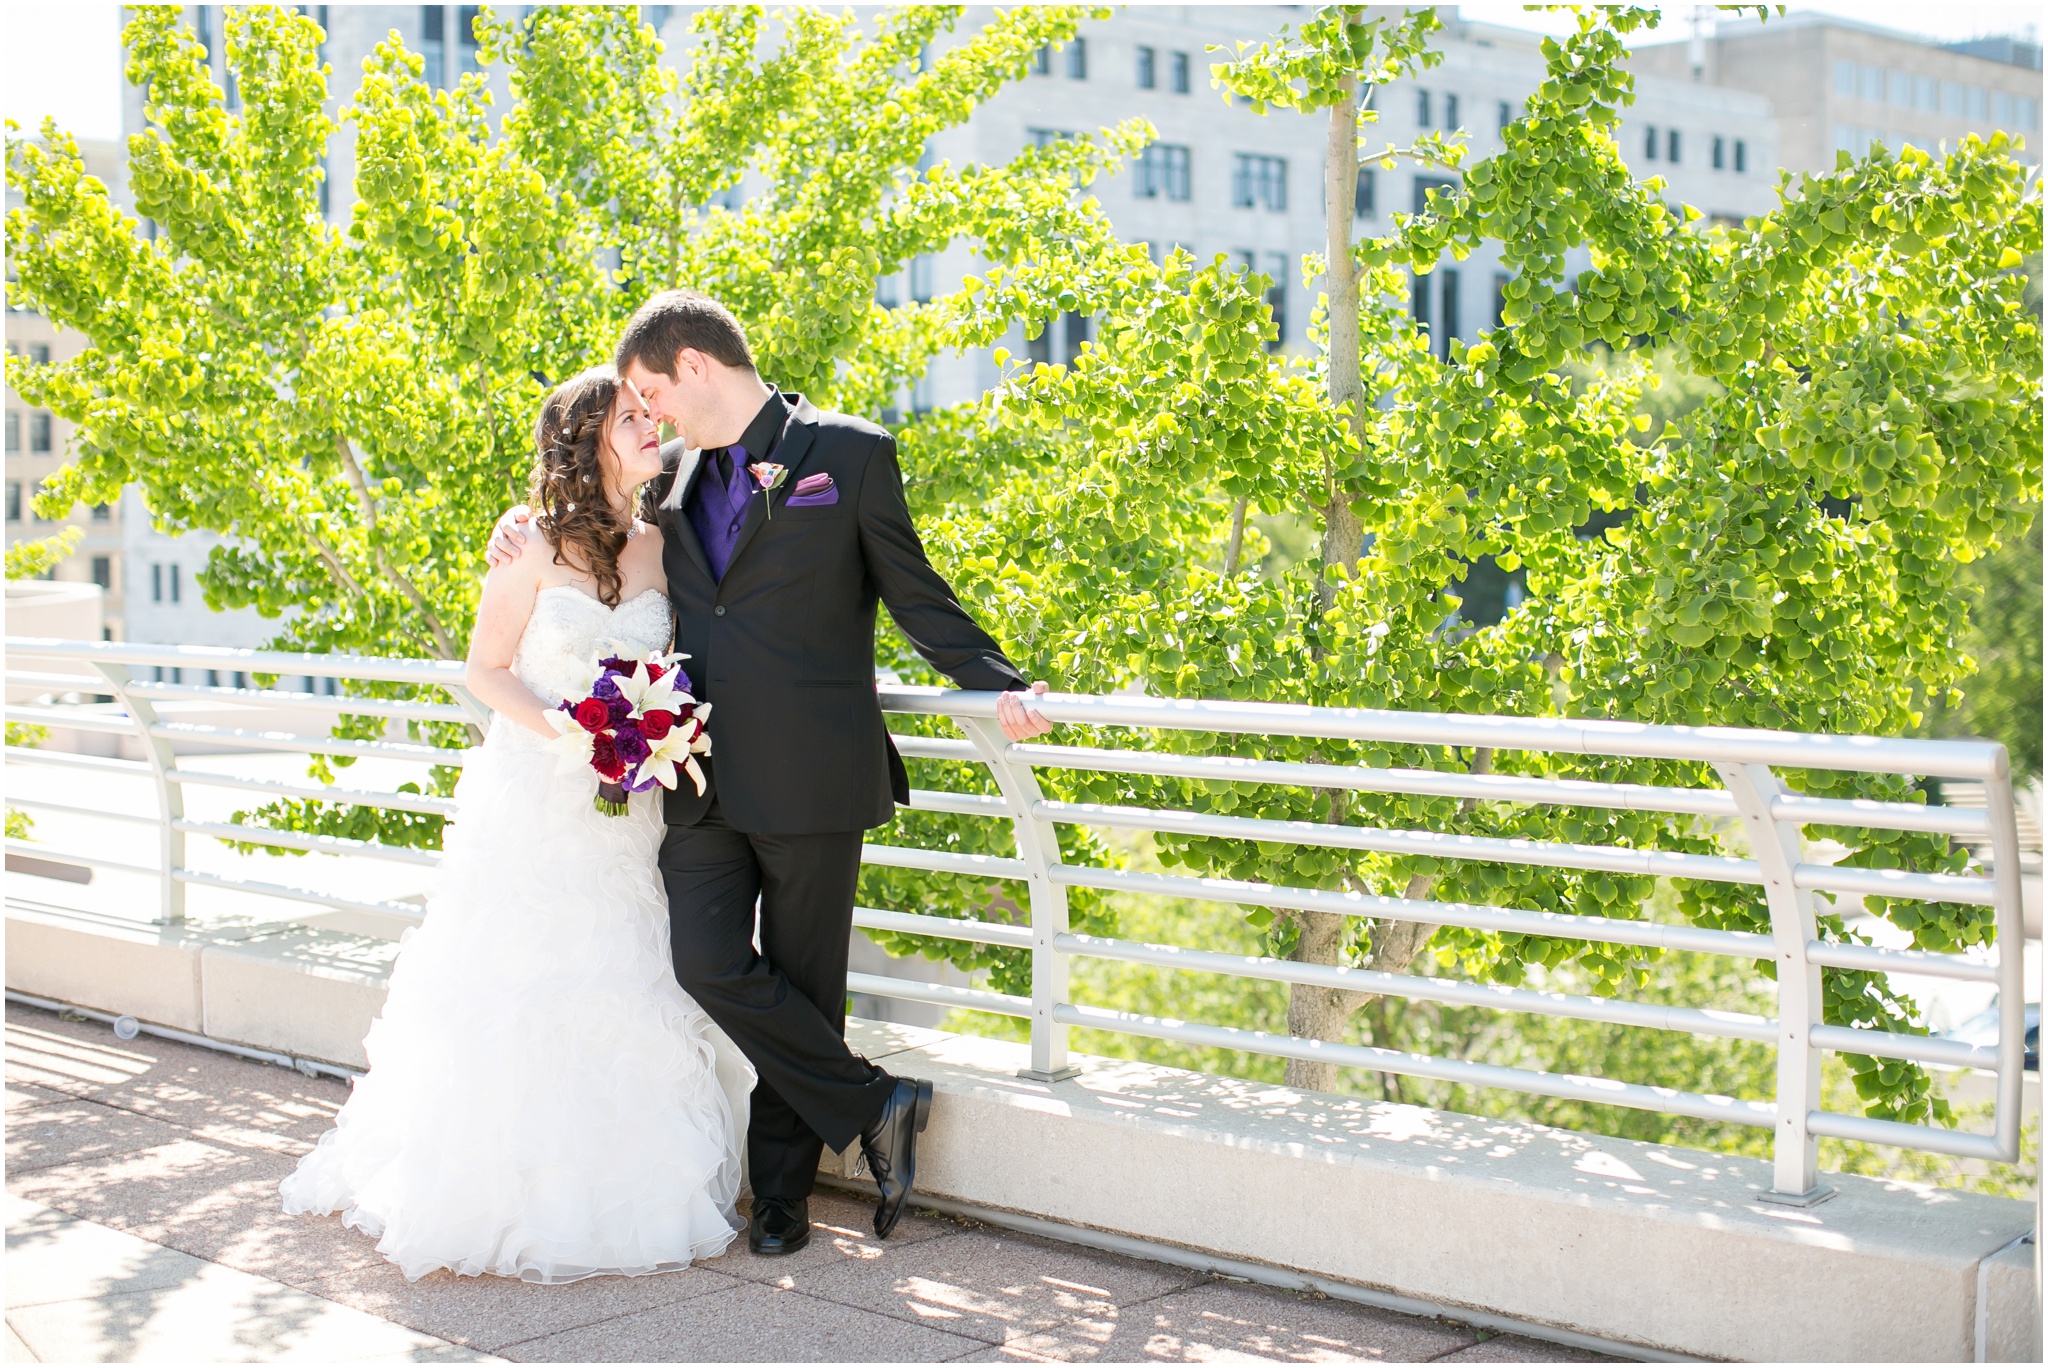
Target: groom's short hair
[676, 319]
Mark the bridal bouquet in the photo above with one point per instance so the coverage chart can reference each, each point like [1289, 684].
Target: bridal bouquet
[636, 727]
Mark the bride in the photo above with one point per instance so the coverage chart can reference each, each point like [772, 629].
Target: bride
[544, 1101]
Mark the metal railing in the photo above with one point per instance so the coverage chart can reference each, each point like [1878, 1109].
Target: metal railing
[1751, 793]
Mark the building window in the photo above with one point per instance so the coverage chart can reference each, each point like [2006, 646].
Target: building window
[1365, 199]
[103, 572]
[14, 501]
[1845, 78]
[1180, 73]
[1974, 103]
[1870, 83]
[1741, 156]
[433, 43]
[1500, 296]
[1077, 60]
[1900, 84]
[1450, 310]
[465, 37]
[102, 512]
[1503, 115]
[39, 352]
[1276, 298]
[921, 279]
[1650, 144]
[1077, 333]
[174, 582]
[1163, 170]
[1719, 155]
[1422, 119]
[1926, 94]
[13, 431]
[1259, 183]
[1671, 146]
[1450, 111]
[1418, 303]
[1148, 68]
[1045, 137]
[156, 582]
[2001, 110]
[39, 431]
[1425, 184]
[1952, 99]
[1041, 61]
[1039, 348]
[885, 291]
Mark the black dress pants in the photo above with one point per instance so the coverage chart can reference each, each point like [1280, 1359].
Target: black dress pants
[785, 1007]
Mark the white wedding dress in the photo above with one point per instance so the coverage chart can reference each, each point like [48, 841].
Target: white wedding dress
[544, 1101]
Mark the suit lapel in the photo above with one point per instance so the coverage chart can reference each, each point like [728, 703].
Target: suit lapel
[689, 466]
[790, 452]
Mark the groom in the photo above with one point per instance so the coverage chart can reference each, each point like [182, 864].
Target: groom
[775, 593]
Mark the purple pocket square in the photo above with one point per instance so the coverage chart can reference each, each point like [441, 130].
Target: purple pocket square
[812, 491]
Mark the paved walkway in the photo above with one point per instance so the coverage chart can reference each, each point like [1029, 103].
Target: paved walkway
[142, 1224]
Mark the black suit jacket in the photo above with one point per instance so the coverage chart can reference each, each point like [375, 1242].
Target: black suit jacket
[783, 648]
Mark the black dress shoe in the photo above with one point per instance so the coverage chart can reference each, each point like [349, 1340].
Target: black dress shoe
[779, 1225]
[890, 1144]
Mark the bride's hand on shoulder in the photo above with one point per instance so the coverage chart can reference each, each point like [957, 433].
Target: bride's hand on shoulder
[508, 536]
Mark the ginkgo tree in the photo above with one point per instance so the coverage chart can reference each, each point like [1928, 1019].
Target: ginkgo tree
[1785, 556]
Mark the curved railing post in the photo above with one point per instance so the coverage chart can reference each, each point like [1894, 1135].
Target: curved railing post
[170, 794]
[1795, 1168]
[1038, 846]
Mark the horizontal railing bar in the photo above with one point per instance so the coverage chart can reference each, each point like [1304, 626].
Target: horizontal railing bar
[1895, 883]
[317, 745]
[105, 764]
[908, 990]
[279, 698]
[404, 911]
[944, 862]
[1597, 1090]
[316, 845]
[934, 748]
[1581, 736]
[1877, 959]
[1437, 845]
[1868, 812]
[968, 804]
[36, 850]
[391, 670]
[72, 719]
[63, 683]
[946, 928]
[1491, 788]
[1564, 925]
[1873, 1131]
[1959, 1054]
[1728, 1025]
[401, 802]
[70, 809]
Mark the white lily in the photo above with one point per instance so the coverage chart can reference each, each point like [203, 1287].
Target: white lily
[571, 745]
[651, 695]
[679, 749]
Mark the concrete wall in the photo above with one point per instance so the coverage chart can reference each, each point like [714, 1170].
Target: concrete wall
[1649, 1245]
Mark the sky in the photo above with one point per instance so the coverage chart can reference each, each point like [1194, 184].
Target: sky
[65, 60]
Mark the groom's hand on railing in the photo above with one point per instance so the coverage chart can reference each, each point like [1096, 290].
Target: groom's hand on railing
[508, 538]
[1019, 722]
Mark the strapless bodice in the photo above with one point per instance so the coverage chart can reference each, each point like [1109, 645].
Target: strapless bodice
[570, 631]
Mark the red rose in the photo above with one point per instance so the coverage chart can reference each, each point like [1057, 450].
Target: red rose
[654, 672]
[655, 725]
[604, 757]
[592, 715]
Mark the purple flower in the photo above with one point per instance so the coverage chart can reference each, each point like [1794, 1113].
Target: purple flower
[631, 745]
[607, 688]
[620, 709]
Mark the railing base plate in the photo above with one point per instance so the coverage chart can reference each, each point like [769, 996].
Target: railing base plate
[1811, 1197]
[1056, 1076]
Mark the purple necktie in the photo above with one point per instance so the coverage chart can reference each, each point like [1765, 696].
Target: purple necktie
[717, 513]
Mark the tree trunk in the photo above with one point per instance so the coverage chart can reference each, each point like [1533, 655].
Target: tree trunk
[1320, 1013]
[1235, 551]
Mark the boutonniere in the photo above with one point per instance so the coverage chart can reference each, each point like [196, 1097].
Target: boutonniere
[769, 476]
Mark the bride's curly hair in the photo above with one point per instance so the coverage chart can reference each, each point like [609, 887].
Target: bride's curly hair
[567, 488]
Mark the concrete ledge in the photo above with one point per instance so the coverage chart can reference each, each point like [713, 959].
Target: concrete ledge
[1650, 1245]
[1618, 1241]
[118, 966]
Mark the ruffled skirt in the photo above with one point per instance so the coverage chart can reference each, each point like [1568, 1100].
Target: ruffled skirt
[544, 1101]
